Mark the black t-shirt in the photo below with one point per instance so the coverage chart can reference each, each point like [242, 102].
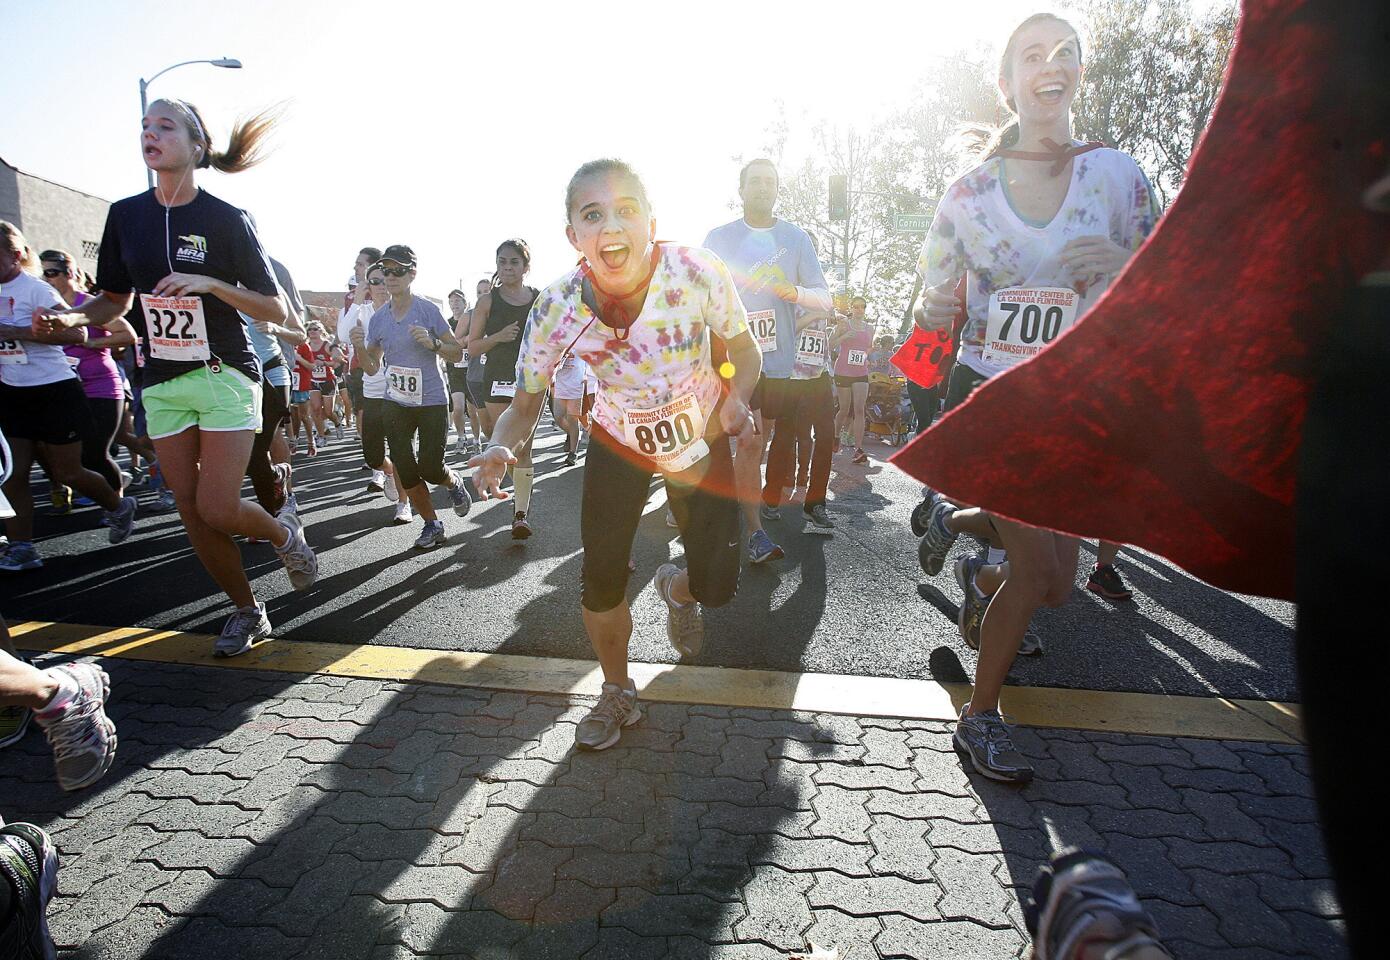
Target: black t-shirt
[208, 237]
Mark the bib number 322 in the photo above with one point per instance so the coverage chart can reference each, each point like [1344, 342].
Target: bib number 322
[1023, 320]
[177, 328]
[671, 436]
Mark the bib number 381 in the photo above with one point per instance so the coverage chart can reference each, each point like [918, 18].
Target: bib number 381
[177, 328]
[671, 436]
[1023, 320]
[404, 385]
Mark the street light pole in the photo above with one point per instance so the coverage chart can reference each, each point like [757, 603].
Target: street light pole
[225, 62]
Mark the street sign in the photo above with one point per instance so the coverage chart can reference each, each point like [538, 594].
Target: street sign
[911, 222]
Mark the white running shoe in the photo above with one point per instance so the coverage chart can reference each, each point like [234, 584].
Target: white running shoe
[403, 513]
[82, 735]
[297, 556]
[388, 487]
[377, 483]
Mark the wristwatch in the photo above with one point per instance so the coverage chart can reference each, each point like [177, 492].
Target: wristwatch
[437, 342]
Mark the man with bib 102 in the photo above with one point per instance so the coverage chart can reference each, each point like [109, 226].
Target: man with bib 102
[641, 315]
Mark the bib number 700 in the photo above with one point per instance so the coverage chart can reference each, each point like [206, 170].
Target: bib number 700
[1022, 321]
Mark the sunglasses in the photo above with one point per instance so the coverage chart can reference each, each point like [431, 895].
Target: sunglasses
[52, 272]
[396, 271]
[375, 282]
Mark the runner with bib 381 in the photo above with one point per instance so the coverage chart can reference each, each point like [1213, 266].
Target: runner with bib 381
[641, 316]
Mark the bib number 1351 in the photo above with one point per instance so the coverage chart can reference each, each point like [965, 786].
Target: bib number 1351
[177, 328]
[1024, 320]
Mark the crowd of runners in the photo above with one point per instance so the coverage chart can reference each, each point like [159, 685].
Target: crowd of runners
[727, 368]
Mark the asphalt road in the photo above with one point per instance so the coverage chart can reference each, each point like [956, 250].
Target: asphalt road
[856, 603]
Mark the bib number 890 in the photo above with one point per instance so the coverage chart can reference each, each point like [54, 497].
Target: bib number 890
[1033, 321]
[666, 436]
[166, 323]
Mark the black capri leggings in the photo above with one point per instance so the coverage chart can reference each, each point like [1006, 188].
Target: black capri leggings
[275, 407]
[616, 486]
[372, 431]
[432, 424]
[107, 415]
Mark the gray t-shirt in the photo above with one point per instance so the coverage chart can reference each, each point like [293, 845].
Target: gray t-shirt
[400, 350]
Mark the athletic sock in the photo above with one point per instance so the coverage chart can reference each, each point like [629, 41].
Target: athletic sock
[66, 693]
[521, 484]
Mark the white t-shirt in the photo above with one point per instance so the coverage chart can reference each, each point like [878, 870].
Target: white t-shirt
[373, 384]
[977, 233]
[28, 363]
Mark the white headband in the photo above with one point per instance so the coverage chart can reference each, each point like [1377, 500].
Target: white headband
[192, 117]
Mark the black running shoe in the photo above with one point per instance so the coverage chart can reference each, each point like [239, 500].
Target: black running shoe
[1107, 582]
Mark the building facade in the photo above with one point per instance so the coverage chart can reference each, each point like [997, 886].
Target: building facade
[51, 215]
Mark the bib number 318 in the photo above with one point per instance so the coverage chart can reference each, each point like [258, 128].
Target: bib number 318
[177, 328]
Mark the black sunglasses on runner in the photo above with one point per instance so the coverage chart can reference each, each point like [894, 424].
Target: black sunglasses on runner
[395, 271]
[376, 282]
[51, 272]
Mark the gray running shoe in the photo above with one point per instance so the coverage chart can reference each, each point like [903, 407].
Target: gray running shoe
[81, 734]
[617, 707]
[121, 520]
[1030, 645]
[685, 627]
[297, 556]
[458, 496]
[164, 502]
[985, 739]
[244, 628]
[938, 539]
[817, 521]
[1081, 899]
[770, 513]
[20, 555]
[432, 536]
[972, 605]
[29, 867]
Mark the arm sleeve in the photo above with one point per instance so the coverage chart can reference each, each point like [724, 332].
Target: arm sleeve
[943, 253]
[253, 266]
[544, 339]
[812, 290]
[112, 274]
[724, 312]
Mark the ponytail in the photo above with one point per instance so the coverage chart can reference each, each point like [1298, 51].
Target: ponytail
[246, 144]
[14, 241]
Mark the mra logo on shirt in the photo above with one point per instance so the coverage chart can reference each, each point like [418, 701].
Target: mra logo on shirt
[195, 249]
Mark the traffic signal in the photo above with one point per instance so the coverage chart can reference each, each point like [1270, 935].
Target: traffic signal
[839, 196]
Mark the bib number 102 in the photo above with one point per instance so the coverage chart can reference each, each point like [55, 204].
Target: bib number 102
[665, 435]
[1033, 320]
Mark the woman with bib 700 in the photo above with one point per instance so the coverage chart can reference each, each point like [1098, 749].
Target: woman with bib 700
[641, 316]
[194, 261]
[1038, 229]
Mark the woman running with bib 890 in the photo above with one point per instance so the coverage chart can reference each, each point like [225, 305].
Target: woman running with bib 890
[1039, 229]
[641, 316]
[194, 261]
[495, 333]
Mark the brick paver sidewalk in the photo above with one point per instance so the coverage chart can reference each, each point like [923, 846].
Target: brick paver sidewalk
[273, 815]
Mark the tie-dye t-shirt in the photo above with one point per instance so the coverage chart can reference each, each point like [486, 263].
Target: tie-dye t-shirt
[667, 352]
[976, 231]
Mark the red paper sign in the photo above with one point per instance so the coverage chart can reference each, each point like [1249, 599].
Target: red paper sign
[926, 357]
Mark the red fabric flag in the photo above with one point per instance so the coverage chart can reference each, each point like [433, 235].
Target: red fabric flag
[1171, 416]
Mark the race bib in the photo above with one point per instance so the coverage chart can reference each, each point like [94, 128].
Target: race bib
[858, 358]
[671, 436]
[763, 323]
[462, 364]
[810, 347]
[405, 385]
[12, 353]
[320, 372]
[1023, 320]
[178, 330]
[504, 388]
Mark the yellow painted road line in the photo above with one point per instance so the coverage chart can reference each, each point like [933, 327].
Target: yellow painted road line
[1214, 718]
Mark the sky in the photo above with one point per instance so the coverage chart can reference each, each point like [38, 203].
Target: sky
[454, 126]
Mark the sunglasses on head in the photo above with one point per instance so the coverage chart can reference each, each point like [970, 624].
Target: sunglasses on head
[396, 271]
[52, 272]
